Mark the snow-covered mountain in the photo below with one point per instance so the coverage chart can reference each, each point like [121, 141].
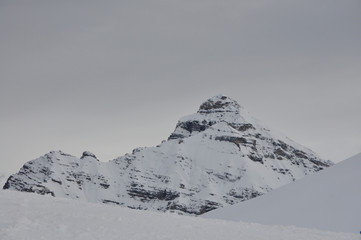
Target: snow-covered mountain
[216, 157]
[328, 200]
[26, 216]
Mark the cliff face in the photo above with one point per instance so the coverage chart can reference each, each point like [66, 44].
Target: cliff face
[216, 157]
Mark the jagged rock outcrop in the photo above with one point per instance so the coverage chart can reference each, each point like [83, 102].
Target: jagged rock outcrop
[216, 157]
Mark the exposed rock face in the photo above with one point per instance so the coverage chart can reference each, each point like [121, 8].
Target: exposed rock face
[88, 154]
[216, 157]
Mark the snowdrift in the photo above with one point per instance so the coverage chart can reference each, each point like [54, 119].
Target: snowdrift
[328, 200]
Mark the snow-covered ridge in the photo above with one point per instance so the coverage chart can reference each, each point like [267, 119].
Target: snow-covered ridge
[216, 157]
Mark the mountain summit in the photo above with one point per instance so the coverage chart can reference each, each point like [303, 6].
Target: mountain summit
[215, 110]
[216, 157]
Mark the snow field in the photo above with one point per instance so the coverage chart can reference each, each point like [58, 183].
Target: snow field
[26, 216]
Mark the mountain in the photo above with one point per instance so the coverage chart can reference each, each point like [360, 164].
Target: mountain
[328, 200]
[26, 216]
[216, 157]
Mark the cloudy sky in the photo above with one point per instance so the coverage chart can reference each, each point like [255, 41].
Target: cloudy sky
[110, 76]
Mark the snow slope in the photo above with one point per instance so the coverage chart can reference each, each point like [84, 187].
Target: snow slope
[27, 216]
[216, 157]
[328, 200]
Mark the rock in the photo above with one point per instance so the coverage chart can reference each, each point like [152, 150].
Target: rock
[88, 154]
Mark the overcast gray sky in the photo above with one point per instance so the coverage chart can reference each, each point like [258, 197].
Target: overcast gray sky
[110, 76]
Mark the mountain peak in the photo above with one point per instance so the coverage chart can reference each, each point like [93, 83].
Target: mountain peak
[216, 109]
[219, 103]
[215, 157]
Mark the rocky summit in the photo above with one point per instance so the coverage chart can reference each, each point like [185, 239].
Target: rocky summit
[216, 157]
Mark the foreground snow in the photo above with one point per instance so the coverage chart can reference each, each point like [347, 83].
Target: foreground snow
[30, 216]
[328, 200]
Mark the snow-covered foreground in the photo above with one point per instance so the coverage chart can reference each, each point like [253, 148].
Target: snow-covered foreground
[329, 200]
[30, 216]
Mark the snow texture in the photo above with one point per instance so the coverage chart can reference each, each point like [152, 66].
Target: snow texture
[216, 157]
[328, 200]
[27, 216]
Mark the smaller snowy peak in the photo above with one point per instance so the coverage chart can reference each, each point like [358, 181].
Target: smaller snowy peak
[88, 154]
[58, 153]
[219, 103]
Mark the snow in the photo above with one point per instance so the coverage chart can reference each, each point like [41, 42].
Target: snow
[27, 216]
[328, 200]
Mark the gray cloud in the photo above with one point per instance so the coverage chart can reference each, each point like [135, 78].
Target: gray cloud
[111, 76]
